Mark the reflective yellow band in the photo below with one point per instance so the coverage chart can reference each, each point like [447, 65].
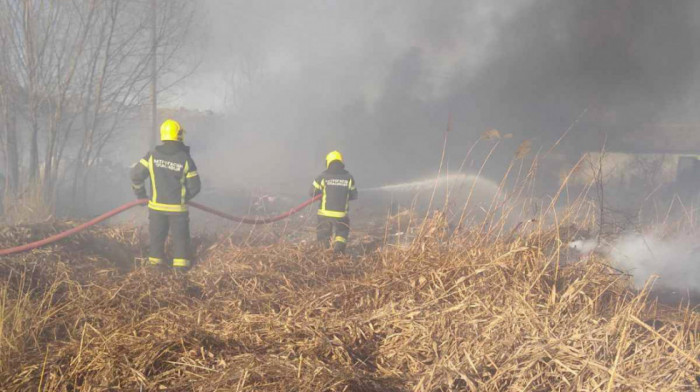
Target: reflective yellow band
[144, 163]
[154, 193]
[183, 179]
[340, 239]
[192, 174]
[167, 207]
[317, 185]
[181, 263]
[137, 186]
[332, 214]
[154, 260]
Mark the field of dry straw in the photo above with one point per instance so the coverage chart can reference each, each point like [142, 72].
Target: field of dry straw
[462, 314]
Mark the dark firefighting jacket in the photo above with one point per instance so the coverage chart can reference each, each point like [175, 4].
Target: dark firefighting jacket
[173, 174]
[337, 187]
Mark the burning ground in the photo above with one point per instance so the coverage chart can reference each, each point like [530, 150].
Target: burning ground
[439, 315]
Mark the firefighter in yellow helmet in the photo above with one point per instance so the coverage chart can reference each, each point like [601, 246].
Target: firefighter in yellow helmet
[174, 181]
[337, 187]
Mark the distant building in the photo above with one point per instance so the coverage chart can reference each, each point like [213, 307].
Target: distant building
[655, 155]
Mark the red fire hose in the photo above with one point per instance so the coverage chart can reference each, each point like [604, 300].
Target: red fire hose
[119, 210]
[254, 220]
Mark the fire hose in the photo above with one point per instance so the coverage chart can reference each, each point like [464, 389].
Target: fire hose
[251, 220]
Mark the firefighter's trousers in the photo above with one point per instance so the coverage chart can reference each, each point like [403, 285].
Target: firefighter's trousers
[179, 226]
[333, 230]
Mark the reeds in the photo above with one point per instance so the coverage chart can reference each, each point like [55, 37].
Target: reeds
[458, 301]
[495, 315]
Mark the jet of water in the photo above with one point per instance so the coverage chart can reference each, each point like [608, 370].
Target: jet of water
[449, 181]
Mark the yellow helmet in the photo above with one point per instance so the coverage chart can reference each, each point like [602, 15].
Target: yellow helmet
[333, 156]
[171, 130]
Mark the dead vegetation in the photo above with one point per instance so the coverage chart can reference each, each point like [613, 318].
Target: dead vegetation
[431, 317]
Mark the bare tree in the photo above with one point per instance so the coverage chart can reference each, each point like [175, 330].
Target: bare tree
[120, 74]
[8, 137]
[73, 71]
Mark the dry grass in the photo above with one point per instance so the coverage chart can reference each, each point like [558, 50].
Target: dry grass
[458, 315]
[30, 206]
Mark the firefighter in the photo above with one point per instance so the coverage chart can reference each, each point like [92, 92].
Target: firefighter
[337, 187]
[174, 181]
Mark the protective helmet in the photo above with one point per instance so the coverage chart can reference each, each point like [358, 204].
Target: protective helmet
[171, 130]
[333, 156]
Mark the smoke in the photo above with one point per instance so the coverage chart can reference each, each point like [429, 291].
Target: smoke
[627, 61]
[675, 260]
[378, 80]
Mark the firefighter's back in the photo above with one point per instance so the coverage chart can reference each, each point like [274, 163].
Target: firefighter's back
[170, 164]
[336, 184]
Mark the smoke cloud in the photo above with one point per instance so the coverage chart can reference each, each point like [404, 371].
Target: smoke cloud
[379, 79]
[675, 260]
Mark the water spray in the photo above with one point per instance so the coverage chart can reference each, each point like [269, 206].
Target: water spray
[426, 184]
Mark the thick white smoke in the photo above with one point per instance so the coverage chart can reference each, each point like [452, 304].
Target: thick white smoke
[675, 260]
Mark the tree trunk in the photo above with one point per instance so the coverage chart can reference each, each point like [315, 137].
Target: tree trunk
[49, 158]
[30, 56]
[11, 151]
[154, 74]
[34, 152]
